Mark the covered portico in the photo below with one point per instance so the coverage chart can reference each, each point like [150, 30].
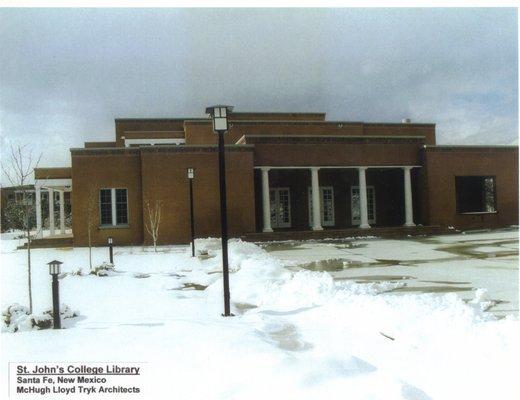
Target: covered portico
[394, 181]
[52, 180]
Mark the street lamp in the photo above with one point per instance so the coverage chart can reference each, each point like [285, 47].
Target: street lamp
[191, 175]
[219, 116]
[54, 270]
[111, 249]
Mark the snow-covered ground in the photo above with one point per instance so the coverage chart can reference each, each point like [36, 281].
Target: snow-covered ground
[356, 332]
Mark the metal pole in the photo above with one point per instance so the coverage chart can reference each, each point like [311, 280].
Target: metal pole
[223, 221]
[56, 301]
[192, 220]
[111, 252]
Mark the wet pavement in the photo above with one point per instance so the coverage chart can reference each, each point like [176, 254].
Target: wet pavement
[459, 263]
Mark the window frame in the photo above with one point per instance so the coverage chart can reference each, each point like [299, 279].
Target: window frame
[322, 202]
[113, 209]
[483, 178]
[355, 222]
[274, 201]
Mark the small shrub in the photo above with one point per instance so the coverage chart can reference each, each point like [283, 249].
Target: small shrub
[78, 272]
[105, 269]
[65, 312]
[43, 321]
[17, 318]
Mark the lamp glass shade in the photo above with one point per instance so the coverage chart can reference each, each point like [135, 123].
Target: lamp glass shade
[110, 240]
[219, 124]
[54, 267]
[190, 173]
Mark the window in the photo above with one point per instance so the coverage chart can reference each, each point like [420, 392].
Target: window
[105, 206]
[121, 207]
[326, 203]
[355, 204]
[280, 203]
[475, 194]
[28, 199]
[113, 206]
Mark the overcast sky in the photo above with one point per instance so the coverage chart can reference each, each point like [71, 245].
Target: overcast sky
[65, 74]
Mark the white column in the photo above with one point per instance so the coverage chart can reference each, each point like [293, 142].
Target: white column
[51, 211]
[408, 203]
[363, 202]
[38, 203]
[62, 212]
[114, 208]
[315, 188]
[266, 204]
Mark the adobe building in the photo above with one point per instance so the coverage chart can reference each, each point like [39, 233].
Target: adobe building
[287, 174]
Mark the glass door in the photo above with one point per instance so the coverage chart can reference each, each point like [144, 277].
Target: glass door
[280, 201]
[355, 205]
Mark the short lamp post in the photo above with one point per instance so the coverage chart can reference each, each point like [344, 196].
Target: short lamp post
[219, 116]
[191, 175]
[111, 249]
[54, 270]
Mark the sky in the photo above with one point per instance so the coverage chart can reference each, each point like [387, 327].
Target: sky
[66, 74]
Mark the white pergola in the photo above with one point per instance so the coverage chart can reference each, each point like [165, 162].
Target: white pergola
[51, 185]
[363, 200]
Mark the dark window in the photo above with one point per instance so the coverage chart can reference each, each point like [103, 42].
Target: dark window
[121, 207]
[105, 206]
[475, 194]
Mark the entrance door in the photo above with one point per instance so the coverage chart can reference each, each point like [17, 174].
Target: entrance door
[355, 205]
[280, 201]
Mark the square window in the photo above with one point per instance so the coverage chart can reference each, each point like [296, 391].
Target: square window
[475, 194]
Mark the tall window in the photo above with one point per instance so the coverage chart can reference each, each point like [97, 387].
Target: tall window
[355, 205]
[113, 206]
[475, 194]
[326, 205]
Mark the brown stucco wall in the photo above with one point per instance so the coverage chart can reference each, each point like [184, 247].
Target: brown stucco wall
[200, 132]
[159, 173]
[52, 173]
[164, 173]
[93, 170]
[444, 163]
[352, 154]
[124, 125]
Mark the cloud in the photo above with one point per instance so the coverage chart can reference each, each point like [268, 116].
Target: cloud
[65, 74]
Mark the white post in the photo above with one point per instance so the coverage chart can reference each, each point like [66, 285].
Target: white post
[39, 229]
[363, 202]
[408, 203]
[51, 211]
[62, 212]
[266, 204]
[114, 208]
[315, 188]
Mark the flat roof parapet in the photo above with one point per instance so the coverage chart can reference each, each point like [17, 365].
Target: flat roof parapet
[474, 147]
[174, 148]
[53, 173]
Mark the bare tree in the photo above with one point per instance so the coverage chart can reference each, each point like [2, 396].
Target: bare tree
[153, 221]
[91, 220]
[18, 169]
